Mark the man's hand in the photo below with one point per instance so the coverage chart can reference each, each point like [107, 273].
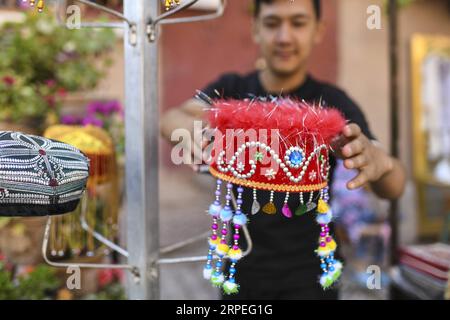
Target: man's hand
[358, 152]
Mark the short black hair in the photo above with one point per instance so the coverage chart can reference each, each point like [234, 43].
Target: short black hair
[317, 7]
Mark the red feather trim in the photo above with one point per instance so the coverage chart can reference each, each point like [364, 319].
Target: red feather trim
[295, 120]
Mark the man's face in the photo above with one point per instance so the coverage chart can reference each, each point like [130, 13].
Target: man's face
[286, 32]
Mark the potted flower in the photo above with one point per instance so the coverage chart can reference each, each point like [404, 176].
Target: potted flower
[40, 62]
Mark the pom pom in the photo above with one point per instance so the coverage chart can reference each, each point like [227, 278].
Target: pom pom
[332, 245]
[230, 287]
[336, 274]
[214, 243]
[214, 209]
[329, 248]
[226, 214]
[240, 219]
[207, 272]
[324, 218]
[326, 281]
[217, 280]
[323, 251]
[222, 249]
[235, 254]
[322, 207]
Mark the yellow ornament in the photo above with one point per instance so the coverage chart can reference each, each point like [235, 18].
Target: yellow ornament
[322, 207]
[323, 251]
[214, 242]
[40, 5]
[222, 249]
[332, 245]
[171, 3]
[235, 254]
[269, 208]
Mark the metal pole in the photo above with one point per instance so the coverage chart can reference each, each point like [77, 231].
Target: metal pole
[141, 120]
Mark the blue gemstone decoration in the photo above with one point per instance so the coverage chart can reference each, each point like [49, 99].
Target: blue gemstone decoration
[296, 158]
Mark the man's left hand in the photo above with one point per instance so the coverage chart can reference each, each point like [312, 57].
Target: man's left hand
[359, 153]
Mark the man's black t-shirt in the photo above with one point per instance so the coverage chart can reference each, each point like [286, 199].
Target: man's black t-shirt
[282, 263]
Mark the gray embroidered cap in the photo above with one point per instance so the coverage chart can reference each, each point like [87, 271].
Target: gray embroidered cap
[39, 176]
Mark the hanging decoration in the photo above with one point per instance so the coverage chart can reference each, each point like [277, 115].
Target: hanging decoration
[275, 145]
[40, 4]
[171, 4]
[101, 203]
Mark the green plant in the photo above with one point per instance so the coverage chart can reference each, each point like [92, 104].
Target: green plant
[40, 61]
[7, 288]
[111, 288]
[114, 291]
[401, 3]
[38, 284]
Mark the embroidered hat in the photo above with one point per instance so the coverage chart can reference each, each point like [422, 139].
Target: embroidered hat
[38, 176]
[276, 145]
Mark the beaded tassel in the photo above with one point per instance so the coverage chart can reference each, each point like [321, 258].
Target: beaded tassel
[171, 3]
[226, 215]
[331, 267]
[270, 208]
[255, 206]
[40, 4]
[285, 210]
[214, 211]
[235, 254]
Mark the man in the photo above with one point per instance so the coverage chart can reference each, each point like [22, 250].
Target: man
[282, 264]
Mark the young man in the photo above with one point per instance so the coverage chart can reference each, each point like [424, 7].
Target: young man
[282, 264]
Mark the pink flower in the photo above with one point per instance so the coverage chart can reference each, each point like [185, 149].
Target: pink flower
[105, 277]
[50, 101]
[8, 80]
[50, 83]
[92, 120]
[111, 107]
[94, 107]
[70, 120]
[119, 274]
[61, 92]
[104, 108]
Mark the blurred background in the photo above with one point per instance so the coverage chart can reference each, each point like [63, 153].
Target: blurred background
[52, 78]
